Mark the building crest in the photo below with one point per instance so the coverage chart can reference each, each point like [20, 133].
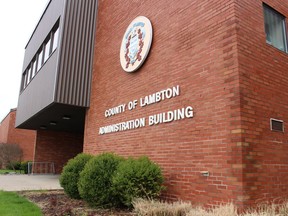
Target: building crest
[136, 44]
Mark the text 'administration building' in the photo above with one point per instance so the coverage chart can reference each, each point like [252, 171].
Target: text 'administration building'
[208, 103]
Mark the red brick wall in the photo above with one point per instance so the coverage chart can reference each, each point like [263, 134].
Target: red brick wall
[4, 129]
[216, 51]
[57, 147]
[24, 138]
[264, 86]
[194, 46]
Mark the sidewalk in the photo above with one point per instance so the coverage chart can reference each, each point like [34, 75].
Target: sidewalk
[29, 182]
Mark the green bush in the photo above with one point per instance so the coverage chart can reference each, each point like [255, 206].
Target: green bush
[70, 175]
[14, 165]
[95, 183]
[24, 166]
[137, 178]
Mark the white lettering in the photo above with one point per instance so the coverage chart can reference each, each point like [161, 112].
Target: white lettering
[115, 110]
[169, 116]
[122, 126]
[159, 96]
[132, 104]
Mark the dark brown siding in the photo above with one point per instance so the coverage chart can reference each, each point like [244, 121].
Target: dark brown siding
[73, 84]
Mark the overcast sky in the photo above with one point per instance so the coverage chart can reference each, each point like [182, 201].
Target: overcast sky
[18, 18]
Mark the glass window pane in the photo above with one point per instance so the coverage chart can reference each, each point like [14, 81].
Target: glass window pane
[40, 60]
[55, 39]
[34, 68]
[29, 75]
[24, 81]
[275, 28]
[47, 50]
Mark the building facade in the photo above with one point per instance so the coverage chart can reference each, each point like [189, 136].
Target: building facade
[11, 135]
[208, 104]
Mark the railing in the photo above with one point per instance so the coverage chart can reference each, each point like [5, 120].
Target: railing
[42, 168]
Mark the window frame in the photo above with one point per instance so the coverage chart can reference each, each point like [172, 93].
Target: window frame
[40, 58]
[34, 67]
[29, 73]
[267, 8]
[56, 30]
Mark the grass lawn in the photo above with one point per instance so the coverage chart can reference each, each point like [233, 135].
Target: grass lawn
[10, 171]
[11, 204]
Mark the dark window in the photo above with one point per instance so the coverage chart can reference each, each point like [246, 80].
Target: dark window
[47, 50]
[40, 59]
[55, 39]
[28, 75]
[275, 28]
[34, 68]
[23, 80]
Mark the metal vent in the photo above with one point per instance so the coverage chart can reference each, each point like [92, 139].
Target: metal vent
[276, 125]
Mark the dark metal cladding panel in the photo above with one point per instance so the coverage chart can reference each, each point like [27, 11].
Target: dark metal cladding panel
[75, 60]
[40, 92]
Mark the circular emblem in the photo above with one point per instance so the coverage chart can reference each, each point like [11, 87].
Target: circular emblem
[136, 44]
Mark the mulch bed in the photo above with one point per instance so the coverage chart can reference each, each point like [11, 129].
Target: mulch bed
[56, 203]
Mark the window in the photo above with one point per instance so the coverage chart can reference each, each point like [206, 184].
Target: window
[40, 60]
[47, 50]
[28, 75]
[34, 68]
[55, 39]
[275, 28]
[24, 80]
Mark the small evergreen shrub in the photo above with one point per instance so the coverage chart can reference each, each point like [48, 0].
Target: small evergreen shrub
[95, 183]
[137, 178]
[24, 166]
[14, 165]
[70, 175]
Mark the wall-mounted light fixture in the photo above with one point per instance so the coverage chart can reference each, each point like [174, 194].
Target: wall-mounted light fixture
[66, 117]
[53, 123]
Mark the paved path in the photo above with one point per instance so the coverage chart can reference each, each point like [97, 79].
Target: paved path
[29, 182]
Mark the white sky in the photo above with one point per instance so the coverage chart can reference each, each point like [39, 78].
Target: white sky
[18, 18]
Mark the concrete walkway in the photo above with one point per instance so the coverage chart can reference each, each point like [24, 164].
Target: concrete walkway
[29, 182]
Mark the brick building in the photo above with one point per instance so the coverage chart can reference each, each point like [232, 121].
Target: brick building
[208, 104]
[11, 135]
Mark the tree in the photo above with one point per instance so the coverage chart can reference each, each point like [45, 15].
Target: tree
[9, 154]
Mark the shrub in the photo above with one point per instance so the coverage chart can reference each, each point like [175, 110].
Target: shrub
[24, 166]
[96, 180]
[70, 175]
[137, 178]
[14, 165]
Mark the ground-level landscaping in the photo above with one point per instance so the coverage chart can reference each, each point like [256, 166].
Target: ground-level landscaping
[11, 204]
[56, 203]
